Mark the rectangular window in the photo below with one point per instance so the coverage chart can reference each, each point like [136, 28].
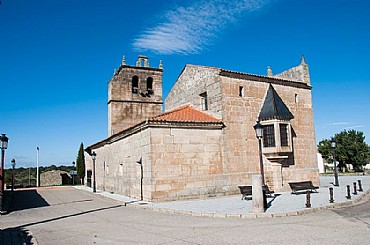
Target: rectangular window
[284, 134]
[268, 136]
[241, 91]
[120, 170]
[204, 101]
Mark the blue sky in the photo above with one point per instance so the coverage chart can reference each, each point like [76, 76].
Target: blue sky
[57, 56]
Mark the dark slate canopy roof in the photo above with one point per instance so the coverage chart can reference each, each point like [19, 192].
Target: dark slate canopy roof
[274, 107]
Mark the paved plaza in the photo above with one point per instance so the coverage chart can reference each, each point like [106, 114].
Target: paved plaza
[47, 215]
[282, 204]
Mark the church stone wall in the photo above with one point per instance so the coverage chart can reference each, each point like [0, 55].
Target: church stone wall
[239, 112]
[239, 139]
[187, 163]
[117, 170]
[299, 102]
[178, 163]
[192, 82]
[240, 142]
[298, 73]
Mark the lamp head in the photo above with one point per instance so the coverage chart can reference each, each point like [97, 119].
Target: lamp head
[4, 142]
[259, 130]
[93, 155]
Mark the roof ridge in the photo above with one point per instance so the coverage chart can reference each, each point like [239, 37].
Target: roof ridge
[186, 113]
[274, 77]
[171, 111]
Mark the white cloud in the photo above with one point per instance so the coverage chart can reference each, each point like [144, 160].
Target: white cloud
[340, 123]
[344, 125]
[355, 126]
[190, 29]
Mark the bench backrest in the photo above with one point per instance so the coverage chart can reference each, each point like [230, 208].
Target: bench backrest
[245, 189]
[302, 183]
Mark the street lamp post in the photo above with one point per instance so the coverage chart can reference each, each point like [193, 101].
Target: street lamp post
[13, 179]
[259, 134]
[37, 167]
[93, 157]
[4, 145]
[73, 173]
[104, 175]
[336, 182]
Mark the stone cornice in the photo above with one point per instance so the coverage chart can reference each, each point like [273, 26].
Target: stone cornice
[139, 68]
[153, 124]
[259, 78]
[137, 101]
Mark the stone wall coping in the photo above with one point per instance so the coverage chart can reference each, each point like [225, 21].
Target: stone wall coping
[154, 124]
[265, 79]
[138, 67]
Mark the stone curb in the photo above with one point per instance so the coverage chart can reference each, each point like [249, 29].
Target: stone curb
[359, 199]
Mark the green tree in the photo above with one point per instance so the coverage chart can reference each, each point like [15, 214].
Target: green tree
[325, 150]
[80, 163]
[351, 148]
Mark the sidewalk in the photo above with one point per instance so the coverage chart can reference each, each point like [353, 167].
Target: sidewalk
[284, 203]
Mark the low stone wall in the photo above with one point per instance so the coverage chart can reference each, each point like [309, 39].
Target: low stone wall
[55, 177]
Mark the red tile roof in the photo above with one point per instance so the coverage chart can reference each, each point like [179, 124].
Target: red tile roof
[182, 114]
[185, 113]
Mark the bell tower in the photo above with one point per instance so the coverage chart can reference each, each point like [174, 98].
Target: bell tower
[134, 94]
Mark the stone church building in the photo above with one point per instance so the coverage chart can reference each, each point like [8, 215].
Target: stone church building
[204, 144]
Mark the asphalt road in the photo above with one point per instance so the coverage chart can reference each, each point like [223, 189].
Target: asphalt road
[64, 215]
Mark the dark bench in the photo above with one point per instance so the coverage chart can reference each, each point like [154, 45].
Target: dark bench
[246, 191]
[302, 186]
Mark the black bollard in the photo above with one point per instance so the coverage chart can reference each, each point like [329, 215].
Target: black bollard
[331, 200]
[354, 188]
[359, 186]
[348, 192]
[308, 199]
[264, 198]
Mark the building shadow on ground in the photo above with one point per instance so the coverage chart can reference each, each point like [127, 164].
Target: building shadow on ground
[269, 203]
[18, 235]
[22, 199]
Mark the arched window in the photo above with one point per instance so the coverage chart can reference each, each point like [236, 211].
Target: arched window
[135, 84]
[149, 85]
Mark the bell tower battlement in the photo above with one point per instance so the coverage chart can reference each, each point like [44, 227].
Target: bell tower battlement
[134, 94]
